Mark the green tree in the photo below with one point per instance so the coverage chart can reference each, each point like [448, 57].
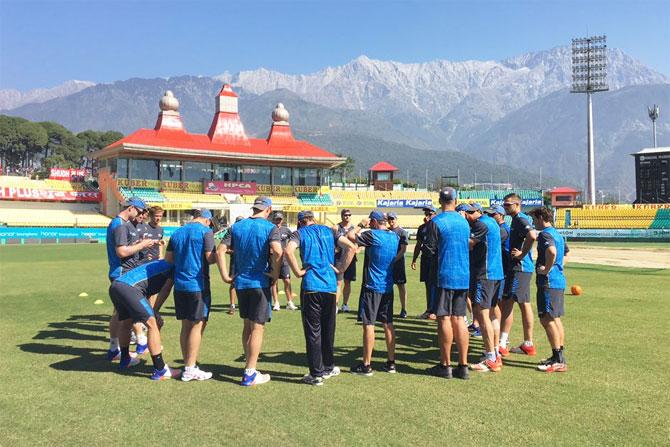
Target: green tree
[20, 142]
[63, 147]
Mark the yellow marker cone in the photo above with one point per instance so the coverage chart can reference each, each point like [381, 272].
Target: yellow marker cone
[83, 294]
[98, 302]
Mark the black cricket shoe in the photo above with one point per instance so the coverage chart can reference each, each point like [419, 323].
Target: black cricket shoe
[440, 370]
[461, 372]
[362, 370]
[389, 367]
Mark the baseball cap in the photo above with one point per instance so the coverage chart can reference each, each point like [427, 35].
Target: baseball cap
[278, 215]
[495, 209]
[302, 215]
[378, 216]
[465, 207]
[203, 212]
[477, 206]
[262, 202]
[429, 208]
[136, 202]
[448, 194]
[239, 218]
[391, 216]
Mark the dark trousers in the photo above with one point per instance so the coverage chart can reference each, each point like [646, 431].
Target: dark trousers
[318, 321]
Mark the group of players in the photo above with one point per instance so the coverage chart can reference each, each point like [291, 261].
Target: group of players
[469, 257]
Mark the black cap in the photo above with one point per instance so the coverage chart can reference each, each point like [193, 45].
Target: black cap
[448, 194]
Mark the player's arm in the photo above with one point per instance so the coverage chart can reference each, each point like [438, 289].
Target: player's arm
[210, 248]
[163, 294]
[221, 263]
[566, 250]
[417, 249]
[529, 238]
[349, 251]
[289, 254]
[276, 253]
[479, 230]
[352, 235]
[549, 259]
[123, 250]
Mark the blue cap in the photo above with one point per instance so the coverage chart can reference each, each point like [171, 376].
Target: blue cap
[378, 216]
[430, 208]
[495, 209]
[391, 215]
[477, 206]
[207, 214]
[465, 207]
[262, 202]
[136, 202]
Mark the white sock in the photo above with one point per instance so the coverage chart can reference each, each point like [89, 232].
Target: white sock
[142, 340]
[249, 371]
[491, 356]
[528, 343]
[503, 338]
[190, 368]
[114, 344]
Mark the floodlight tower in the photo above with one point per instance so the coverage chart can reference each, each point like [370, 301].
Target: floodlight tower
[589, 75]
[653, 115]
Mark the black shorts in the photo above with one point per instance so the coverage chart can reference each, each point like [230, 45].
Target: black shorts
[517, 286]
[484, 292]
[450, 303]
[254, 304]
[284, 271]
[130, 303]
[350, 272]
[550, 302]
[424, 270]
[192, 306]
[374, 306]
[399, 275]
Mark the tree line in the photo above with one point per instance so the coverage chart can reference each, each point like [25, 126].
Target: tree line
[32, 148]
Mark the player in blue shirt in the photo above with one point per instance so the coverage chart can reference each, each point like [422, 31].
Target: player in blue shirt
[256, 246]
[518, 277]
[448, 240]
[376, 299]
[119, 252]
[550, 281]
[191, 249]
[486, 274]
[318, 290]
[130, 294]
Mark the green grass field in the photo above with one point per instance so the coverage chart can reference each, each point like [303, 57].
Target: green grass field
[57, 388]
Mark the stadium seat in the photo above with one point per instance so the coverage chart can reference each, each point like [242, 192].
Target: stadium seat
[621, 217]
[50, 214]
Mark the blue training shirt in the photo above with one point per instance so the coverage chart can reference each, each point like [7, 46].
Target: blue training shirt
[381, 249]
[190, 244]
[486, 257]
[149, 277]
[449, 240]
[549, 237]
[521, 226]
[112, 258]
[250, 241]
[317, 255]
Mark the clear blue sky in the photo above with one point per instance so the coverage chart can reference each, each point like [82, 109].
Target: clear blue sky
[45, 43]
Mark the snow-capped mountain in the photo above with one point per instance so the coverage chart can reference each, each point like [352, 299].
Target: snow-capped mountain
[10, 98]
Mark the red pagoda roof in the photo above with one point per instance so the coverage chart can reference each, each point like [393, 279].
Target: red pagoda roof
[225, 137]
[383, 166]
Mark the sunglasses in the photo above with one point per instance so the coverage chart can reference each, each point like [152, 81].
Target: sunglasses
[510, 203]
[346, 215]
